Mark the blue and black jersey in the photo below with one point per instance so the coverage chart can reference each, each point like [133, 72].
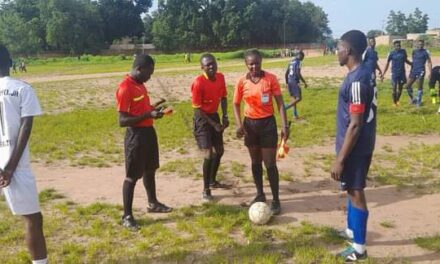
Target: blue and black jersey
[397, 59]
[293, 70]
[419, 56]
[357, 96]
[370, 60]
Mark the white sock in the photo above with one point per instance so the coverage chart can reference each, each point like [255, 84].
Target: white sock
[40, 261]
[349, 233]
[359, 248]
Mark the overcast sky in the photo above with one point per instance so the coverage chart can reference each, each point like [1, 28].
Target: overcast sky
[345, 15]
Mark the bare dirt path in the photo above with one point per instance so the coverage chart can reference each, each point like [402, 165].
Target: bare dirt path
[315, 198]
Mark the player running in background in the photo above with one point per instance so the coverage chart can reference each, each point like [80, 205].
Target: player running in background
[257, 89]
[18, 106]
[293, 76]
[371, 60]
[140, 144]
[208, 92]
[398, 58]
[435, 78]
[420, 56]
[355, 139]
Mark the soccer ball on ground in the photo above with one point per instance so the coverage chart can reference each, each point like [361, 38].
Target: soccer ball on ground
[260, 213]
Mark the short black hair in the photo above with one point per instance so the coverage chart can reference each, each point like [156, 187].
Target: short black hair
[372, 37]
[142, 61]
[5, 57]
[357, 41]
[396, 41]
[206, 55]
[300, 53]
[252, 52]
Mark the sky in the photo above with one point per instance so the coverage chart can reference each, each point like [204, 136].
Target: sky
[370, 14]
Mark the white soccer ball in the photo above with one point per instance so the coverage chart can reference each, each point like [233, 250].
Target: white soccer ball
[260, 213]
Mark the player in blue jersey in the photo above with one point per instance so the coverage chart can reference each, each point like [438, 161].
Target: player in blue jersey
[420, 56]
[371, 60]
[435, 78]
[293, 77]
[398, 58]
[355, 139]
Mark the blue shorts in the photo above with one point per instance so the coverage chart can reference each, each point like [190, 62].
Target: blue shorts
[294, 89]
[398, 79]
[354, 175]
[417, 75]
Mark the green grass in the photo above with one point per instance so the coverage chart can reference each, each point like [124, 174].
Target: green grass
[430, 243]
[211, 233]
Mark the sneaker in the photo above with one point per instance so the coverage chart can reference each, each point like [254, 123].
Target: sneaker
[207, 197]
[129, 223]
[349, 254]
[275, 207]
[158, 208]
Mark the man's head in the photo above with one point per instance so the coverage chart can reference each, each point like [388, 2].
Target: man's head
[372, 42]
[397, 44]
[352, 45]
[5, 60]
[143, 68]
[208, 65]
[253, 60]
[300, 55]
[420, 44]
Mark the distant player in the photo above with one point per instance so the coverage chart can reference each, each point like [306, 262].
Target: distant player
[208, 92]
[293, 76]
[420, 56]
[435, 78]
[355, 139]
[18, 106]
[257, 89]
[398, 58]
[371, 60]
[140, 144]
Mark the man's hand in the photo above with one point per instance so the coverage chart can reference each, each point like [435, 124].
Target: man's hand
[305, 85]
[5, 178]
[156, 114]
[336, 170]
[285, 131]
[225, 122]
[240, 132]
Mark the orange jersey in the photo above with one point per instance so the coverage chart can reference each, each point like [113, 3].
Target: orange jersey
[257, 96]
[207, 94]
[132, 98]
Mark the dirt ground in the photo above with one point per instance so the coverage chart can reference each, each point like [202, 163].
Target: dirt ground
[316, 199]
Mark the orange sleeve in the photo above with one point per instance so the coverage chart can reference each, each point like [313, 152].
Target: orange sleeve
[238, 92]
[123, 99]
[196, 91]
[275, 86]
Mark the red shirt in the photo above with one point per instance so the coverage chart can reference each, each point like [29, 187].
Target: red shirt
[132, 97]
[207, 94]
[257, 96]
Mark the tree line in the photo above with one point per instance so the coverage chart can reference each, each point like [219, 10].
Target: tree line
[87, 26]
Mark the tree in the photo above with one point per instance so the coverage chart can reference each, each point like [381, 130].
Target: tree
[399, 24]
[417, 22]
[375, 33]
[122, 18]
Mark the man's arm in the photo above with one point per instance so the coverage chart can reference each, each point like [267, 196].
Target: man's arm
[301, 78]
[224, 106]
[127, 120]
[350, 139]
[282, 110]
[386, 68]
[23, 138]
[217, 126]
[429, 67]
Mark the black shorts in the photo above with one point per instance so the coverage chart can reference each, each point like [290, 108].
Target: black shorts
[435, 77]
[205, 134]
[261, 133]
[294, 89]
[354, 175]
[141, 151]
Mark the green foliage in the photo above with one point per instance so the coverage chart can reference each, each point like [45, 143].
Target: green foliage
[431, 243]
[399, 24]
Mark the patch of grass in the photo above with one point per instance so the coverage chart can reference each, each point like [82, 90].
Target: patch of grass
[388, 224]
[431, 243]
[49, 194]
[185, 167]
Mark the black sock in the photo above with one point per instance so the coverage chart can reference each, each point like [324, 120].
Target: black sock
[215, 164]
[272, 173]
[206, 171]
[257, 173]
[149, 180]
[127, 196]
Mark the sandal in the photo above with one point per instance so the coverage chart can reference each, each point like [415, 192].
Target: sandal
[158, 208]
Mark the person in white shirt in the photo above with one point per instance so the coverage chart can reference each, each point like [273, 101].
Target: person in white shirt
[18, 106]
